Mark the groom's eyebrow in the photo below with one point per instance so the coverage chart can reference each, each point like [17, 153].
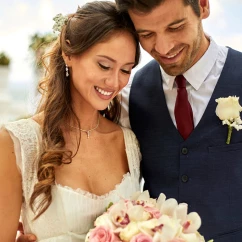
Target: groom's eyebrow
[140, 31]
[176, 22]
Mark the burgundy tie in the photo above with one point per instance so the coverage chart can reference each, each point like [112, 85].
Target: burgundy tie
[183, 110]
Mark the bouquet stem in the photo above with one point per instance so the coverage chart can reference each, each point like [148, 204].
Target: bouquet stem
[230, 128]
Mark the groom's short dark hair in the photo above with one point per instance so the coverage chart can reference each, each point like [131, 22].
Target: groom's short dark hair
[145, 6]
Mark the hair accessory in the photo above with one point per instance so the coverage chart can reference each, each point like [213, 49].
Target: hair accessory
[89, 130]
[60, 20]
[67, 71]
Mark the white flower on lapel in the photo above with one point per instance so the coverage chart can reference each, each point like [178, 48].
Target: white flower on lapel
[228, 110]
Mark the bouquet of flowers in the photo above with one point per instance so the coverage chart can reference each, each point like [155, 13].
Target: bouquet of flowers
[143, 219]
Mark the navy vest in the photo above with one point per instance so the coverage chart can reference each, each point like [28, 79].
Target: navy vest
[203, 170]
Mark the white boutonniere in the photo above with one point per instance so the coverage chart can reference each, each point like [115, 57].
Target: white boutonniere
[228, 110]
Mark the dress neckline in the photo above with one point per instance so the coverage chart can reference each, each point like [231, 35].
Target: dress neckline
[88, 194]
[93, 196]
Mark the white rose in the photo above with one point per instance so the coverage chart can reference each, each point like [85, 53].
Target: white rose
[228, 108]
[129, 231]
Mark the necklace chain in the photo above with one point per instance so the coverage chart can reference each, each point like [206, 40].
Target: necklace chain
[88, 131]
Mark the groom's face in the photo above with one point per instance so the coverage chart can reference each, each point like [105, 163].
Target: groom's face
[172, 34]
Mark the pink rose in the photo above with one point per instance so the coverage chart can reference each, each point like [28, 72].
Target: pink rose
[103, 234]
[141, 238]
[154, 212]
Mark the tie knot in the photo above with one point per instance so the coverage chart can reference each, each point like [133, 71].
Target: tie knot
[180, 81]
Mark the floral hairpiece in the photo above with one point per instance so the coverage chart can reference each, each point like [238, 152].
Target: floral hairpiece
[60, 20]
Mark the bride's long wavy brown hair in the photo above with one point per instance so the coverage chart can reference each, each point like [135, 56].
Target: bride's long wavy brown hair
[93, 23]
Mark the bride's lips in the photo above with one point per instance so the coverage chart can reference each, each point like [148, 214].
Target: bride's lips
[171, 58]
[104, 94]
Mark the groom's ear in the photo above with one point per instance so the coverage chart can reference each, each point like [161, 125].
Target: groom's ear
[204, 8]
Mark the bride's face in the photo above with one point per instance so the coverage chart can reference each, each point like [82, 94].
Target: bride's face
[102, 71]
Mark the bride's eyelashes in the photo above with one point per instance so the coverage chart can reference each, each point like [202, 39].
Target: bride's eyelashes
[106, 68]
[126, 71]
[103, 66]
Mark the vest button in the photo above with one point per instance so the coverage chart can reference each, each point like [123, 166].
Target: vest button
[184, 178]
[184, 151]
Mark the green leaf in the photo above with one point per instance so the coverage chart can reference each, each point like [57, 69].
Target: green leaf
[109, 205]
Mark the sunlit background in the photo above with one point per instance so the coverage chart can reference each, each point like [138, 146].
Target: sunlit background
[21, 19]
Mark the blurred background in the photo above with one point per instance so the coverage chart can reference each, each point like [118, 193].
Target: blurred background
[25, 25]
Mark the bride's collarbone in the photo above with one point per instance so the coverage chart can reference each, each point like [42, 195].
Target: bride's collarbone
[98, 146]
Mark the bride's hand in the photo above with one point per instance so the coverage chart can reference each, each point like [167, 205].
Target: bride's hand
[24, 237]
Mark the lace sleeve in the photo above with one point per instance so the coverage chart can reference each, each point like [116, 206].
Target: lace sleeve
[27, 149]
[133, 152]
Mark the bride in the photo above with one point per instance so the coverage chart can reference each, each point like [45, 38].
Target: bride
[62, 167]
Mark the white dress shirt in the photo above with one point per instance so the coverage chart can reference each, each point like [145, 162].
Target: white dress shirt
[201, 79]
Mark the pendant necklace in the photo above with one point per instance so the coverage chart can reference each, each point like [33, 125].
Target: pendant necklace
[88, 131]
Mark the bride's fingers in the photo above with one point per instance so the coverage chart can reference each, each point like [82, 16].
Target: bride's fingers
[20, 228]
[26, 238]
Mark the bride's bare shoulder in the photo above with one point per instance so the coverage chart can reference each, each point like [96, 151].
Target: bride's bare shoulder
[6, 146]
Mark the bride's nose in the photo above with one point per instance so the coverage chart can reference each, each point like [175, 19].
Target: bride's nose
[112, 81]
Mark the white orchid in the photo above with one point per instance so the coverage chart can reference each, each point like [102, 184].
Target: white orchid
[104, 220]
[193, 237]
[118, 214]
[170, 230]
[169, 207]
[143, 198]
[192, 223]
[181, 212]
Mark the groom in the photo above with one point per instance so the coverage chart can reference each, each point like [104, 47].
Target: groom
[182, 140]
[184, 152]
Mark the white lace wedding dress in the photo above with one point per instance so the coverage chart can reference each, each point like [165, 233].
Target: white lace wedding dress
[72, 212]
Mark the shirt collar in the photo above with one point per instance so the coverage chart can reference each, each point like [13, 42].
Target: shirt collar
[194, 75]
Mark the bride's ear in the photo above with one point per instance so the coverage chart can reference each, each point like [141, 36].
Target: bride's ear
[67, 59]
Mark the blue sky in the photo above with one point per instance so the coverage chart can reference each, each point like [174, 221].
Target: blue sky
[19, 19]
